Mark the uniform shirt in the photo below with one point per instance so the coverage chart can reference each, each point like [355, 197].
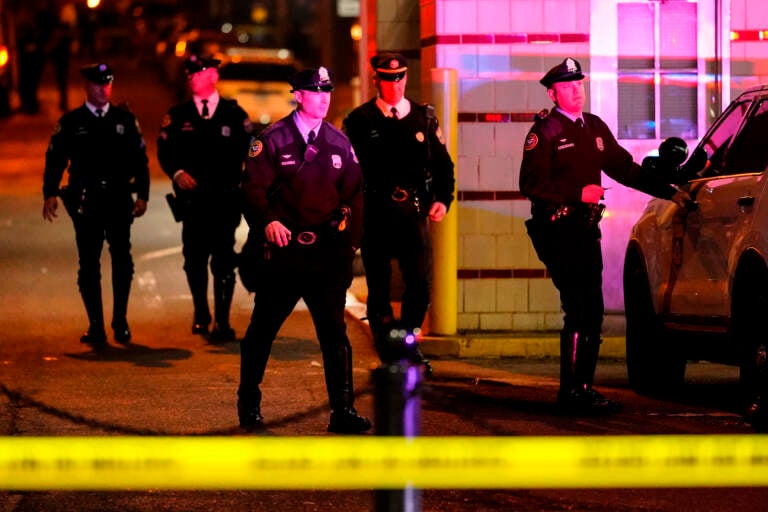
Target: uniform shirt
[96, 150]
[211, 150]
[560, 158]
[280, 185]
[397, 153]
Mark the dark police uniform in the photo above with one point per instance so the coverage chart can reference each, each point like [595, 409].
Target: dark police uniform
[406, 167]
[107, 163]
[315, 190]
[561, 157]
[213, 152]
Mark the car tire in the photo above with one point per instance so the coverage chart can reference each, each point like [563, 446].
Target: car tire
[654, 364]
[749, 307]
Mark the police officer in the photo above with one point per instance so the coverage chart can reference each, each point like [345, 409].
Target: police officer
[564, 154]
[408, 183]
[202, 147]
[304, 191]
[102, 147]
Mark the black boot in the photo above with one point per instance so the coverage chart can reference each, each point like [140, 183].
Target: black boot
[338, 378]
[198, 285]
[223, 289]
[95, 335]
[578, 362]
[249, 410]
[121, 289]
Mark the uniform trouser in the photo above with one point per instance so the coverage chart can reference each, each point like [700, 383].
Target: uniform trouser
[208, 233]
[91, 230]
[570, 249]
[321, 276]
[386, 236]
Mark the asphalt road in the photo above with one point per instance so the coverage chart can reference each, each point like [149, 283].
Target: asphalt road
[170, 382]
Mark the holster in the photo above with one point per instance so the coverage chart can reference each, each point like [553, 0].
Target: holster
[73, 199]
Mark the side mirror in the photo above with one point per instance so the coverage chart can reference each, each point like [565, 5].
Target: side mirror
[672, 152]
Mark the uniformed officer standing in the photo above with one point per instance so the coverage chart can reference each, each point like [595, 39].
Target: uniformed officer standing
[563, 157]
[408, 182]
[202, 147]
[102, 148]
[304, 190]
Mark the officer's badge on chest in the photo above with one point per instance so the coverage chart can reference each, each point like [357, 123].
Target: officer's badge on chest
[336, 161]
[225, 131]
[599, 143]
[564, 143]
[119, 128]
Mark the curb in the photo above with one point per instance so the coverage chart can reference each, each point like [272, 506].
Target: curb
[524, 345]
[507, 344]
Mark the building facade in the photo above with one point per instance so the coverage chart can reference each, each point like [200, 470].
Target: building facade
[656, 68]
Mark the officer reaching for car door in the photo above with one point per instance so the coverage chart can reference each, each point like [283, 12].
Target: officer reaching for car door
[564, 155]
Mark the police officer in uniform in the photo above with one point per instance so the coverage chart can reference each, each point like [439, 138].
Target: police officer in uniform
[564, 154]
[101, 146]
[202, 147]
[408, 183]
[304, 191]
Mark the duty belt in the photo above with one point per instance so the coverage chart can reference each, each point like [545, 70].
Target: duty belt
[591, 212]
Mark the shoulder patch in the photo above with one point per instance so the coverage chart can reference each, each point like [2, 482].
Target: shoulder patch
[541, 114]
[531, 141]
[166, 121]
[255, 149]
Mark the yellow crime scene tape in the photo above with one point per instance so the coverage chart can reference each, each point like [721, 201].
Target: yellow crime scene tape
[367, 462]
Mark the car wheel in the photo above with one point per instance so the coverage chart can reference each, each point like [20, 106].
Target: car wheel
[750, 305]
[654, 364]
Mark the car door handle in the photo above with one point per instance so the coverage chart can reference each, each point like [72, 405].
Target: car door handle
[745, 201]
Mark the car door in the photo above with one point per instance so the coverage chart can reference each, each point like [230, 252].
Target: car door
[726, 191]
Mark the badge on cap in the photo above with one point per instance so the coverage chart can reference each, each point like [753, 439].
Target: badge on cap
[393, 64]
[322, 73]
[570, 64]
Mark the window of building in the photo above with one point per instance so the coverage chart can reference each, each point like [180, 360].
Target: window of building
[657, 69]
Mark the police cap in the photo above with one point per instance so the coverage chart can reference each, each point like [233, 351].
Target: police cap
[389, 66]
[196, 63]
[313, 79]
[567, 71]
[98, 73]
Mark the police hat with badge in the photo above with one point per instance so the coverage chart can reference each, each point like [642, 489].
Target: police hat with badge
[313, 79]
[98, 73]
[567, 71]
[389, 66]
[196, 63]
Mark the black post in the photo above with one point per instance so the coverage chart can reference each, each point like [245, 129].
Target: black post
[397, 403]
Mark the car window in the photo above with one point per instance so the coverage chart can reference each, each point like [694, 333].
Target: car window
[257, 71]
[717, 141]
[749, 151]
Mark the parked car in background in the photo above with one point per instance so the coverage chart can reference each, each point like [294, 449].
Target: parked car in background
[258, 78]
[696, 279]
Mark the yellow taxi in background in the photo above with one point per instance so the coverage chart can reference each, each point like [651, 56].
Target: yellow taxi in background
[258, 78]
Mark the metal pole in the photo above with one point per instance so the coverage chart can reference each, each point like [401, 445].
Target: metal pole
[443, 316]
[397, 402]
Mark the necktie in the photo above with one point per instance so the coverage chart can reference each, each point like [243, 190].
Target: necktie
[580, 122]
[311, 137]
[206, 114]
[99, 113]
[394, 112]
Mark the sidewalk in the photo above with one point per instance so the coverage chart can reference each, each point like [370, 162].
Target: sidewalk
[472, 345]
